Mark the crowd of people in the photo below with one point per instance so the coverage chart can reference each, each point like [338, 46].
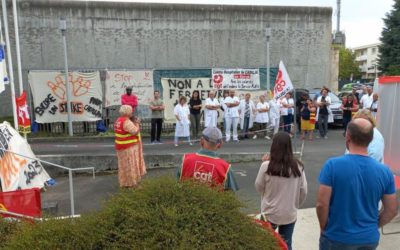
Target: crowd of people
[356, 194]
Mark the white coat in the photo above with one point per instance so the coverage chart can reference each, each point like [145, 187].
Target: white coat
[242, 109]
[262, 117]
[182, 128]
[330, 114]
[211, 116]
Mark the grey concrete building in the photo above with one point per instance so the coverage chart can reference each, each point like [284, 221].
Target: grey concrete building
[117, 35]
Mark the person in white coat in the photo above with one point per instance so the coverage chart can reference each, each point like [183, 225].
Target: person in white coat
[274, 114]
[231, 114]
[323, 112]
[287, 112]
[247, 111]
[262, 118]
[182, 115]
[211, 111]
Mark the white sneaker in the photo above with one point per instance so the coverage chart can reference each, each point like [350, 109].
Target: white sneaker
[255, 137]
[191, 144]
[267, 137]
[176, 145]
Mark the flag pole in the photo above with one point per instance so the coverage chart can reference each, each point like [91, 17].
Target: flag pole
[16, 30]
[10, 64]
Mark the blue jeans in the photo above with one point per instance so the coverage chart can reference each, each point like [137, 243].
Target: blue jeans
[323, 124]
[246, 127]
[326, 244]
[286, 232]
[346, 121]
[287, 121]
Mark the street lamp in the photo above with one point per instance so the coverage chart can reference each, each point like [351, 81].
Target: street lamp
[268, 35]
[63, 29]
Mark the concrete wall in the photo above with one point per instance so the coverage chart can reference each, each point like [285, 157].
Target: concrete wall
[133, 36]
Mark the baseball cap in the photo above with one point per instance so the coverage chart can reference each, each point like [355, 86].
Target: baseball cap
[212, 134]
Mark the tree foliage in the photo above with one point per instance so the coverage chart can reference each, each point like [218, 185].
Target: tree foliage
[348, 66]
[389, 62]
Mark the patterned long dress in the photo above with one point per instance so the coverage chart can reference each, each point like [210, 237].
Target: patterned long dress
[131, 166]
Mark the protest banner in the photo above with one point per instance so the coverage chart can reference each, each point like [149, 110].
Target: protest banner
[24, 121]
[283, 84]
[17, 172]
[50, 96]
[141, 82]
[173, 88]
[236, 78]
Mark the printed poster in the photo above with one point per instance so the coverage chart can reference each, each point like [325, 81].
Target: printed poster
[50, 96]
[236, 78]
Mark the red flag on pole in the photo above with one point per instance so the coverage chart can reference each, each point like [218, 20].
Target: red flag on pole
[26, 202]
[24, 122]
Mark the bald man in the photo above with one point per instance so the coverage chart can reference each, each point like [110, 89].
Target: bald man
[351, 187]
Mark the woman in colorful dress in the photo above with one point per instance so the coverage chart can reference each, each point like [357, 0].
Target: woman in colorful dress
[307, 121]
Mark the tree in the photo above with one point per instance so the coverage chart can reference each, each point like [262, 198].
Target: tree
[389, 62]
[348, 67]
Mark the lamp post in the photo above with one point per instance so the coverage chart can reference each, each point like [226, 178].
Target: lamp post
[268, 35]
[63, 29]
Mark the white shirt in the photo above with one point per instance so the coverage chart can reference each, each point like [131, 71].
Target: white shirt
[232, 112]
[262, 117]
[285, 111]
[274, 109]
[366, 101]
[213, 102]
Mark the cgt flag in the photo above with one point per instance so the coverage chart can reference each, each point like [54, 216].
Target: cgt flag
[283, 84]
[24, 122]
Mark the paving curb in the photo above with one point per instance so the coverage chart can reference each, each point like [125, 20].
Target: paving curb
[109, 162]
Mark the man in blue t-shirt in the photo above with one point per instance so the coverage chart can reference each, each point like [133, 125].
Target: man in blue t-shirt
[351, 187]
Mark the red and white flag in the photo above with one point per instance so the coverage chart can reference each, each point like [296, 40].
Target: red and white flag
[24, 122]
[283, 84]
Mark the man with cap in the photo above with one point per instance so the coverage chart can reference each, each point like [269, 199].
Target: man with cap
[129, 99]
[205, 165]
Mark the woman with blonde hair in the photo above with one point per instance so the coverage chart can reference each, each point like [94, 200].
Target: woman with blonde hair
[182, 115]
[128, 144]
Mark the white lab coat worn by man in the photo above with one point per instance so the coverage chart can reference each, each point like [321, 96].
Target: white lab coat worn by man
[231, 117]
[242, 108]
[211, 115]
[274, 114]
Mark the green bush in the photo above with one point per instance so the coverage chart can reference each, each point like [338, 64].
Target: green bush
[161, 214]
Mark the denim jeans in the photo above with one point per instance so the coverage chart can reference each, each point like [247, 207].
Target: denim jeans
[195, 124]
[326, 244]
[156, 127]
[287, 121]
[286, 232]
[245, 131]
[346, 121]
[323, 124]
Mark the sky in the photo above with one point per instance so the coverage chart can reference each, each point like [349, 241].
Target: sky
[361, 20]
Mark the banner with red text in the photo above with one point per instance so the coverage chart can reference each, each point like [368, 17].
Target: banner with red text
[18, 172]
[141, 82]
[236, 79]
[24, 121]
[50, 96]
[283, 84]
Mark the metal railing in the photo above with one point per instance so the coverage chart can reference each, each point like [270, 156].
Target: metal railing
[70, 170]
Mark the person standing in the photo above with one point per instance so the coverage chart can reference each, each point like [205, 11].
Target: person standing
[374, 105]
[211, 111]
[182, 115]
[224, 107]
[287, 111]
[366, 99]
[205, 165]
[299, 105]
[261, 120]
[274, 115]
[351, 187]
[323, 103]
[247, 111]
[349, 106]
[129, 99]
[157, 116]
[307, 125]
[195, 113]
[232, 103]
[282, 183]
[128, 145]
[356, 96]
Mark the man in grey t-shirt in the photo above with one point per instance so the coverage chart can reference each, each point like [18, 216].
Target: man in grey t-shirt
[157, 117]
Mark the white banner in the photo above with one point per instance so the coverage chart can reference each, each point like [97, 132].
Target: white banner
[283, 84]
[236, 78]
[17, 172]
[173, 88]
[50, 96]
[141, 82]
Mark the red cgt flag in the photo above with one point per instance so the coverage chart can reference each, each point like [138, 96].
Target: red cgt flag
[24, 122]
[26, 202]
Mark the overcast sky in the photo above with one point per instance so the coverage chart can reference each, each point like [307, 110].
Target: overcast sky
[361, 19]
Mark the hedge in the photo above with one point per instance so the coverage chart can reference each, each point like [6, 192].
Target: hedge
[161, 214]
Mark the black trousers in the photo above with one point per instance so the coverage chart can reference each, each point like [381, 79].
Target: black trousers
[156, 127]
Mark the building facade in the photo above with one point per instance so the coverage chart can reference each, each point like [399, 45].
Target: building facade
[367, 57]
